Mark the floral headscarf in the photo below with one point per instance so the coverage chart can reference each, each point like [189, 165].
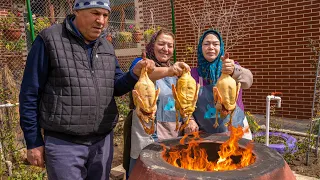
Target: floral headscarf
[150, 51]
[210, 71]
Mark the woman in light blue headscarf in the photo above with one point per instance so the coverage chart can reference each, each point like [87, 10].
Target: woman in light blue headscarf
[211, 63]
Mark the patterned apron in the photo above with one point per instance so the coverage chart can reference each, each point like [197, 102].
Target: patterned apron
[205, 113]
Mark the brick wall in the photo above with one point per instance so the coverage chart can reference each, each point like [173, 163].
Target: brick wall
[275, 50]
[161, 10]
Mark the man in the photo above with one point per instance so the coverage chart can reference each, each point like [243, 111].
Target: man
[68, 89]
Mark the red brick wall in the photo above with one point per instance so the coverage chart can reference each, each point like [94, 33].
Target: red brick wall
[161, 10]
[275, 51]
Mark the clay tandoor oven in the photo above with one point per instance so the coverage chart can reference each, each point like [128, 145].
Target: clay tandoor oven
[269, 165]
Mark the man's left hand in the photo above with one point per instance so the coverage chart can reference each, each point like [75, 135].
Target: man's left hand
[227, 64]
[149, 64]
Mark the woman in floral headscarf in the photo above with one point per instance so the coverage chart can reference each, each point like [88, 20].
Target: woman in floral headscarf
[160, 50]
[211, 63]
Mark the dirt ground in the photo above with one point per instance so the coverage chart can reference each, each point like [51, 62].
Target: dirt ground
[298, 165]
[297, 161]
[118, 150]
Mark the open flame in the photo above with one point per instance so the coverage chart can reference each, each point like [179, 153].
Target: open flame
[193, 157]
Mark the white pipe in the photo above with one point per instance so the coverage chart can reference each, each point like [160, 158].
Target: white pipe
[9, 167]
[8, 105]
[1, 152]
[268, 99]
[267, 120]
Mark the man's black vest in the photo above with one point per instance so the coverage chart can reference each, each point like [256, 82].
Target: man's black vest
[78, 95]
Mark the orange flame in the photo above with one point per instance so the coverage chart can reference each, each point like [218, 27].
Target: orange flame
[195, 158]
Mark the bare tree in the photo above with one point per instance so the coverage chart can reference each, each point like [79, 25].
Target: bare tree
[223, 16]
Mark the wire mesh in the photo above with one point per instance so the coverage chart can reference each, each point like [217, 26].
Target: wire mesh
[128, 29]
[16, 42]
[122, 23]
[12, 44]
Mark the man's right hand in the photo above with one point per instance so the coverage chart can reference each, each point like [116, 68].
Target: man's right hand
[144, 63]
[35, 156]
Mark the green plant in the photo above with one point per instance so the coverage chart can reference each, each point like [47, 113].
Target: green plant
[252, 121]
[315, 48]
[302, 146]
[134, 28]
[25, 172]
[316, 126]
[9, 123]
[272, 140]
[189, 50]
[123, 108]
[17, 46]
[41, 23]
[137, 28]
[123, 105]
[275, 122]
[11, 21]
[147, 34]
[124, 36]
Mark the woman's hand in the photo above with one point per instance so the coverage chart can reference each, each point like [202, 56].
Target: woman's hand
[227, 64]
[191, 127]
[177, 68]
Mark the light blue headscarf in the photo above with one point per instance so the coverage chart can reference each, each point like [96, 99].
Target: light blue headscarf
[210, 71]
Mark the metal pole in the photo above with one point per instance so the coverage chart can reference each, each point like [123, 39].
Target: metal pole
[173, 28]
[30, 20]
[317, 139]
[312, 115]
